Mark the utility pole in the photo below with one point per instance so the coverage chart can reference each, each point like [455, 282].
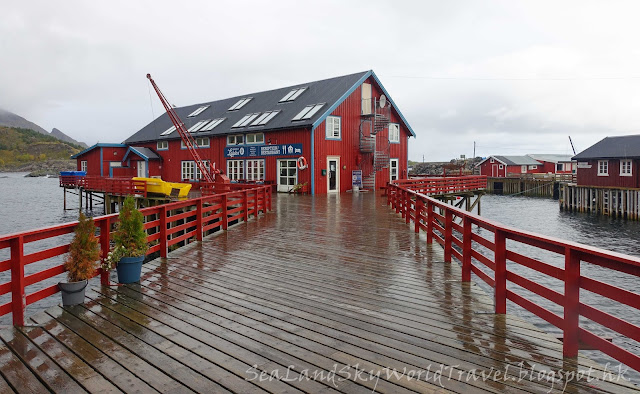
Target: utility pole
[474, 149]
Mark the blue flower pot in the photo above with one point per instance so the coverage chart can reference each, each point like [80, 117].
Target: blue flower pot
[129, 269]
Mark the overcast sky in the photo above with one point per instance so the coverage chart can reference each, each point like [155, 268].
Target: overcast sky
[516, 77]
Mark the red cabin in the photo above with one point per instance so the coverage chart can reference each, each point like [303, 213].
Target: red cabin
[555, 164]
[335, 126]
[612, 162]
[506, 166]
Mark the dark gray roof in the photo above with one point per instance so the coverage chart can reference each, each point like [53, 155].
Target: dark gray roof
[517, 160]
[151, 155]
[329, 91]
[612, 147]
[550, 157]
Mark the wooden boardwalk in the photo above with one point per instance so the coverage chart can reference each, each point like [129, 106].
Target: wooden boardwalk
[326, 294]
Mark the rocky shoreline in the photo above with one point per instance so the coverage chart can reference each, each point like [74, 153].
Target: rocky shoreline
[42, 168]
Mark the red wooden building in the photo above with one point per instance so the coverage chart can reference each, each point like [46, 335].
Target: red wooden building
[612, 162]
[337, 125]
[554, 164]
[504, 166]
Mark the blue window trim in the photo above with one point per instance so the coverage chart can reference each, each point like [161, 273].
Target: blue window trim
[325, 128]
[395, 142]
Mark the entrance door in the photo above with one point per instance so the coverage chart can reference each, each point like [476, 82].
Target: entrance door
[287, 174]
[494, 170]
[142, 169]
[333, 174]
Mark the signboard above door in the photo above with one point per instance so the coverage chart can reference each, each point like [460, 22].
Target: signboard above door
[263, 150]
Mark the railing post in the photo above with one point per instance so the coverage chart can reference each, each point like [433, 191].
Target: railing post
[448, 234]
[570, 344]
[408, 208]
[501, 272]
[429, 222]
[163, 232]
[105, 247]
[199, 219]
[466, 249]
[245, 204]
[399, 197]
[269, 192]
[225, 219]
[418, 212]
[18, 298]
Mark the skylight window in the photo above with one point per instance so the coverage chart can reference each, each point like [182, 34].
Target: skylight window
[292, 95]
[198, 126]
[169, 130]
[240, 103]
[308, 111]
[246, 120]
[265, 118]
[197, 111]
[213, 124]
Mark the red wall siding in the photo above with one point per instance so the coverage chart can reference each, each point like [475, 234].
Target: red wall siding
[348, 148]
[589, 176]
[486, 169]
[93, 159]
[93, 162]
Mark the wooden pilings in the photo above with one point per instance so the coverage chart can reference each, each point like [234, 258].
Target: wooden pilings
[525, 187]
[620, 203]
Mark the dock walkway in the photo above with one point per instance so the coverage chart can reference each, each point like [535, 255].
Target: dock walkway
[325, 294]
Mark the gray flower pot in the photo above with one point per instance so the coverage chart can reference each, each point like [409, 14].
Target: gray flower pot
[73, 292]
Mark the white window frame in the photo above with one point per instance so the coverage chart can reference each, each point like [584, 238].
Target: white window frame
[258, 138]
[333, 128]
[559, 167]
[198, 111]
[523, 169]
[162, 145]
[623, 170]
[603, 167]
[394, 133]
[533, 167]
[492, 161]
[501, 167]
[232, 139]
[255, 169]
[188, 170]
[198, 173]
[235, 169]
[202, 142]
[394, 176]
[83, 165]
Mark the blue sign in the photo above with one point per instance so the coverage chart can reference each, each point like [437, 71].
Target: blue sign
[356, 178]
[263, 150]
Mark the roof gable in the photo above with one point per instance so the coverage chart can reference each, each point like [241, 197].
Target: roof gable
[98, 145]
[612, 147]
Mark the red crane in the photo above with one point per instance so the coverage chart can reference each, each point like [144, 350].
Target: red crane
[186, 136]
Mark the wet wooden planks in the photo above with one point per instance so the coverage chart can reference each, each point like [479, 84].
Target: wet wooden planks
[326, 294]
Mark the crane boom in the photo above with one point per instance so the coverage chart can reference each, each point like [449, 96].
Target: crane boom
[572, 147]
[186, 136]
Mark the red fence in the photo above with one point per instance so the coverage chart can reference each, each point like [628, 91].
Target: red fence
[444, 185]
[438, 219]
[167, 225]
[115, 186]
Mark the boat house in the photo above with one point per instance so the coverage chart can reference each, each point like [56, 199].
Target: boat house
[318, 135]
[612, 162]
[505, 166]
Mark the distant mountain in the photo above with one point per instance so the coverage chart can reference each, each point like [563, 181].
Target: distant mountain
[9, 119]
[63, 137]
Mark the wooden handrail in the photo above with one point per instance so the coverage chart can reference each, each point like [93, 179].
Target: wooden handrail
[438, 219]
[443, 185]
[165, 227]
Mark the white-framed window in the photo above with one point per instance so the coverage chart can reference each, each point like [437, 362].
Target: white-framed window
[393, 169]
[492, 161]
[235, 139]
[255, 170]
[255, 138]
[198, 111]
[240, 103]
[200, 142]
[308, 111]
[523, 169]
[333, 127]
[625, 167]
[162, 145]
[188, 170]
[394, 132]
[534, 167]
[559, 167]
[83, 165]
[292, 95]
[199, 174]
[603, 167]
[501, 166]
[235, 169]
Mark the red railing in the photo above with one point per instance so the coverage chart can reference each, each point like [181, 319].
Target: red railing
[444, 185]
[438, 219]
[167, 225]
[115, 186]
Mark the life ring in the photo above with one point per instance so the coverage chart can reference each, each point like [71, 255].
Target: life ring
[302, 163]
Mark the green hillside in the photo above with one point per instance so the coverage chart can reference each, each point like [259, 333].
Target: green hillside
[23, 146]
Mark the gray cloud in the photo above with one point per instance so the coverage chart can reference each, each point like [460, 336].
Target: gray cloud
[515, 77]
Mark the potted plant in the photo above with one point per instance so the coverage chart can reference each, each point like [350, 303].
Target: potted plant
[130, 241]
[81, 262]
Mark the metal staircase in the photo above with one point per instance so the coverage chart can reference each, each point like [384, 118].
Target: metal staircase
[374, 159]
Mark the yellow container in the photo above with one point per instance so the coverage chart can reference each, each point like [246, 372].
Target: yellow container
[169, 189]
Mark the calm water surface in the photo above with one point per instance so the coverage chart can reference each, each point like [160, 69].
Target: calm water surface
[29, 203]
